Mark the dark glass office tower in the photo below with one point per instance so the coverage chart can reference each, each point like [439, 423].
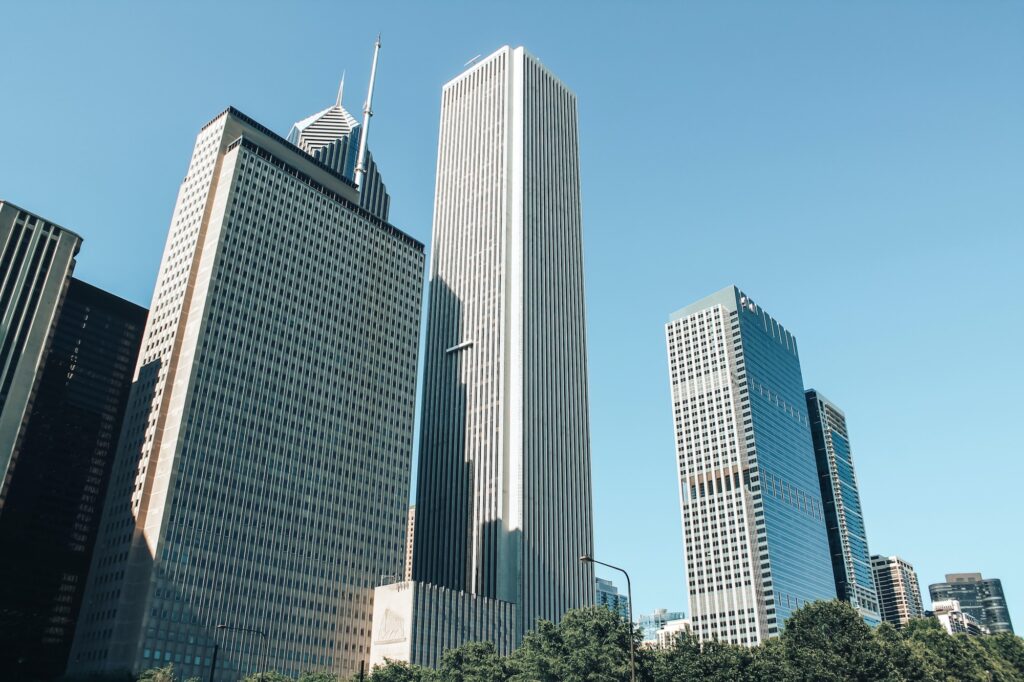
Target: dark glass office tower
[37, 258]
[51, 516]
[847, 539]
[753, 522]
[979, 597]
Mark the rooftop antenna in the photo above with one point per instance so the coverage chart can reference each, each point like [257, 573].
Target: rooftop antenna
[341, 88]
[367, 113]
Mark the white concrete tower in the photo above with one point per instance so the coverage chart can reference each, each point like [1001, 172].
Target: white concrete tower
[503, 506]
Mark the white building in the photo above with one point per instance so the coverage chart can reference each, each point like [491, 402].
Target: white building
[503, 506]
[956, 621]
[669, 633]
[261, 480]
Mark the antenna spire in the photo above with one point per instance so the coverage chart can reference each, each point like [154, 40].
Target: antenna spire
[367, 113]
[341, 88]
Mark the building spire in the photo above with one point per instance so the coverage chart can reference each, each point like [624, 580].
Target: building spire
[367, 113]
[341, 88]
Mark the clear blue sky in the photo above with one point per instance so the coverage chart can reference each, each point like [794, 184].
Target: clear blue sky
[858, 167]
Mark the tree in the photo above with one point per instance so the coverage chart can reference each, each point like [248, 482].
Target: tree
[164, 674]
[828, 640]
[689, 659]
[268, 677]
[473, 662]
[400, 671]
[588, 645]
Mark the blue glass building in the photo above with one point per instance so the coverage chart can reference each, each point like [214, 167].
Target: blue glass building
[753, 520]
[844, 519]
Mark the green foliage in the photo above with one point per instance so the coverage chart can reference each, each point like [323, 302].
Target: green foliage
[164, 674]
[400, 671]
[318, 677]
[473, 662]
[588, 645]
[268, 677]
[823, 641]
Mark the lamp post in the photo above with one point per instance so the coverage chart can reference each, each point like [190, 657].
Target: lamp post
[586, 558]
[265, 644]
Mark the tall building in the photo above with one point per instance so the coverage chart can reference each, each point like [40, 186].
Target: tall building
[651, 623]
[753, 519]
[52, 512]
[980, 598]
[606, 593]
[899, 595]
[503, 504]
[37, 258]
[847, 539]
[332, 136]
[261, 477]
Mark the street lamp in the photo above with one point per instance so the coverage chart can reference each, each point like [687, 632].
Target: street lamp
[586, 558]
[265, 644]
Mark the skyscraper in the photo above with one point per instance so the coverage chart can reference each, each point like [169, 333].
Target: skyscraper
[332, 136]
[981, 598]
[37, 258]
[753, 524]
[52, 512]
[847, 539]
[503, 504]
[261, 479]
[899, 594]
[606, 593]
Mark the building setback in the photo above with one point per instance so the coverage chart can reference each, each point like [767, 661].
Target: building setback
[753, 524]
[980, 598]
[410, 530]
[844, 518]
[52, 511]
[503, 504]
[37, 258]
[261, 479]
[899, 594]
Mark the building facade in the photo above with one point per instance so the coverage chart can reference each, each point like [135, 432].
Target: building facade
[410, 531]
[980, 598]
[753, 519]
[899, 594]
[650, 623]
[332, 137]
[607, 594]
[954, 620]
[503, 504]
[261, 478]
[37, 258]
[52, 512]
[844, 519]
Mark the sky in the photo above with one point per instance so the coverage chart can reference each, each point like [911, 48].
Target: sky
[857, 168]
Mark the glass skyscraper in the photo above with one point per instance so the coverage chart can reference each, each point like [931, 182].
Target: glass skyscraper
[753, 519]
[851, 561]
[51, 514]
[979, 597]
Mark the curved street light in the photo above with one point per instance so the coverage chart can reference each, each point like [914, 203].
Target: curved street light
[586, 558]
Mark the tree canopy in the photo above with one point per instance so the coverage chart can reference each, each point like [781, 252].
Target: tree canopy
[824, 641]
